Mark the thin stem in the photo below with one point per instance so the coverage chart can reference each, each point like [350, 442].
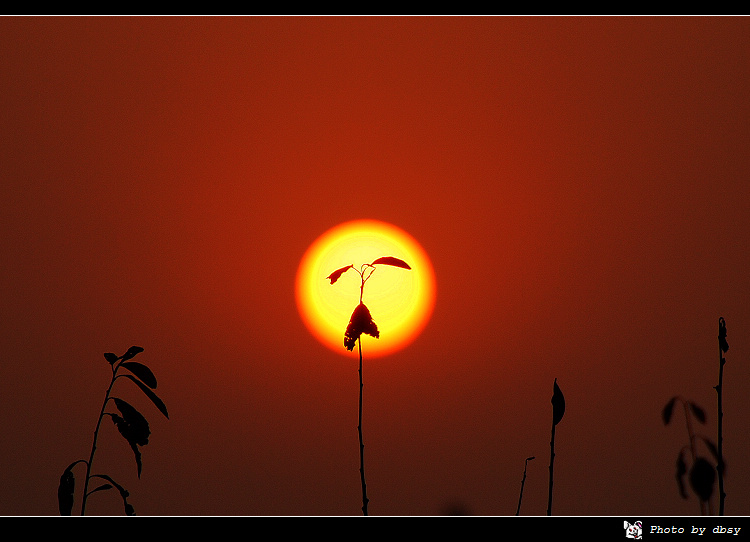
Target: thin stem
[523, 481]
[365, 500]
[93, 445]
[720, 464]
[551, 468]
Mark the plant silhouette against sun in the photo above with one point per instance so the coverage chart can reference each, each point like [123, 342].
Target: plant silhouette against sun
[130, 423]
[361, 322]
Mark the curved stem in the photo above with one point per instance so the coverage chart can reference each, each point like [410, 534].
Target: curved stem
[365, 500]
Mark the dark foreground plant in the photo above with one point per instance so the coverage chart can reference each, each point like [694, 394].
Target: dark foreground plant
[558, 410]
[523, 481]
[702, 473]
[130, 423]
[723, 347]
[361, 322]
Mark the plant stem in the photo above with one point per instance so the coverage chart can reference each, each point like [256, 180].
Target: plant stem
[93, 445]
[551, 467]
[720, 464]
[365, 500]
[523, 481]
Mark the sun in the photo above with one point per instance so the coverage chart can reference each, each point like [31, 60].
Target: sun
[400, 300]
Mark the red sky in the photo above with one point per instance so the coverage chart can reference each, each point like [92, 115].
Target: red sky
[581, 185]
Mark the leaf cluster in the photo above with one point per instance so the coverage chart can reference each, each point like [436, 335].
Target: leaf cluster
[130, 423]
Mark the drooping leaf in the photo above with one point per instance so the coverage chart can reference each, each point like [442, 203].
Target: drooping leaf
[101, 488]
[138, 426]
[666, 414]
[333, 277]
[134, 427]
[110, 357]
[698, 412]
[132, 351]
[125, 431]
[65, 492]
[558, 404]
[150, 394]
[123, 493]
[390, 260]
[360, 322]
[723, 344]
[142, 372]
[679, 474]
[702, 477]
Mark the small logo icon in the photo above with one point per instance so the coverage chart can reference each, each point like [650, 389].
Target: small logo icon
[634, 530]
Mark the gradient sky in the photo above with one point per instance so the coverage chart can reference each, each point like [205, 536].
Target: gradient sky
[580, 184]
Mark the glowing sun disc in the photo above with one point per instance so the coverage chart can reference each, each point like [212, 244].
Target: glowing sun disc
[400, 300]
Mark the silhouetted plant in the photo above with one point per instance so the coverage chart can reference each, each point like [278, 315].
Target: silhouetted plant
[129, 422]
[523, 481]
[558, 410]
[361, 322]
[723, 347]
[702, 473]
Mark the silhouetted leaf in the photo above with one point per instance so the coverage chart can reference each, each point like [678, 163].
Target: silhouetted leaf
[390, 260]
[333, 277]
[123, 493]
[702, 477]
[723, 344]
[681, 470]
[132, 351]
[150, 394]
[142, 372]
[558, 404]
[360, 322]
[713, 449]
[124, 429]
[138, 426]
[101, 488]
[65, 491]
[698, 412]
[666, 414]
[110, 357]
[134, 427]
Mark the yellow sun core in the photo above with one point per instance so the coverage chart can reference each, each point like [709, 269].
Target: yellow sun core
[400, 300]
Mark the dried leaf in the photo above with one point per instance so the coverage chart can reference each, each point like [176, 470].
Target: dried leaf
[558, 404]
[65, 492]
[134, 427]
[142, 372]
[390, 260]
[360, 322]
[333, 277]
[123, 493]
[666, 414]
[132, 351]
[138, 426]
[702, 477]
[723, 344]
[110, 357]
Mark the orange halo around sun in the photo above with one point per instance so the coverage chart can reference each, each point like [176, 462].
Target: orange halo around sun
[400, 300]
